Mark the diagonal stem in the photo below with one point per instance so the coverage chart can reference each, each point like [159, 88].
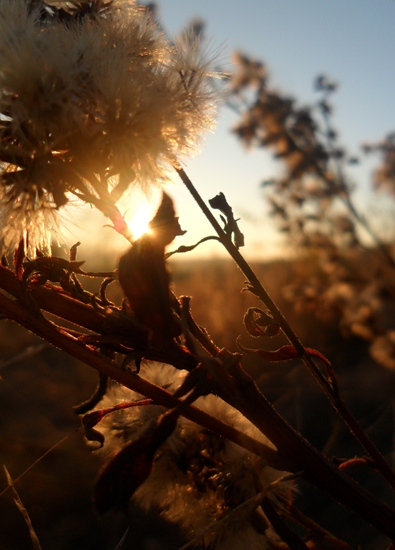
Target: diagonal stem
[60, 339]
[293, 454]
[257, 288]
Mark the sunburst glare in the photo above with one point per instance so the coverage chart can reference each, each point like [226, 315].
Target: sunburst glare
[139, 222]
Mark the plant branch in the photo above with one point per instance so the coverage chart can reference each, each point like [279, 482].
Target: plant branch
[257, 288]
[60, 339]
[293, 452]
[314, 466]
[345, 196]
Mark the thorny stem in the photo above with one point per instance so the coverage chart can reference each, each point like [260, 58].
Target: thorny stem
[62, 340]
[257, 288]
[314, 466]
[293, 454]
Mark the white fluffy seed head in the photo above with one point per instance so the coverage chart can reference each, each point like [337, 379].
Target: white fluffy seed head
[198, 477]
[85, 102]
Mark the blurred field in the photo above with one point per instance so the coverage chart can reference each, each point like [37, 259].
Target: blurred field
[37, 395]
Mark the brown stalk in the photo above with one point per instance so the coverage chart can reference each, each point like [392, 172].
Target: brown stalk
[294, 453]
[345, 195]
[64, 341]
[314, 466]
[257, 288]
[257, 414]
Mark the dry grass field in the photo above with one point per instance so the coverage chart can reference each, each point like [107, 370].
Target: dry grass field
[38, 391]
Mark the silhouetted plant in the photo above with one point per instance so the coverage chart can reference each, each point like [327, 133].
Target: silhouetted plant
[314, 206]
[192, 433]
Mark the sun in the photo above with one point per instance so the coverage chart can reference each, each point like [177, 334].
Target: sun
[139, 223]
[138, 209]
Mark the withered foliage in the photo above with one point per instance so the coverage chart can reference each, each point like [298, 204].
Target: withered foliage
[154, 325]
[314, 206]
[384, 176]
[307, 199]
[219, 454]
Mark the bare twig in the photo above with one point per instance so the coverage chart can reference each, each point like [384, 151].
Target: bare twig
[39, 459]
[107, 367]
[23, 511]
[257, 288]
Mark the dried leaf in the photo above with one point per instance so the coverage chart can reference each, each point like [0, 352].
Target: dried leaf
[231, 228]
[258, 323]
[50, 268]
[132, 466]
[165, 226]
[144, 278]
[248, 287]
[285, 353]
[73, 251]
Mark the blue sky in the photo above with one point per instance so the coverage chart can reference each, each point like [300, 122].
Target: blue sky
[352, 41]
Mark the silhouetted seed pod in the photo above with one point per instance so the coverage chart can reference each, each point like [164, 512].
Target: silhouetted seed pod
[144, 278]
[132, 465]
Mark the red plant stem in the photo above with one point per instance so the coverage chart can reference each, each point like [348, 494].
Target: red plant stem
[315, 467]
[50, 333]
[257, 288]
[294, 453]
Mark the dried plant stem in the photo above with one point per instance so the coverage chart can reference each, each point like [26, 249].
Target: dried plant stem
[102, 200]
[314, 466]
[257, 288]
[291, 539]
[108, 208]
[19, 504]
[296, 516]
[102, 364]
[294, 453]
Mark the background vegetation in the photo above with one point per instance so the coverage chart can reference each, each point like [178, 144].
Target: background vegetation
[337, 292]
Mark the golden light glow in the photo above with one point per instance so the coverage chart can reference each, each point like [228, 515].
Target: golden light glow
[139, 222]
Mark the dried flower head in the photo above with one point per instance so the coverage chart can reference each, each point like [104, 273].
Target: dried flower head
[91, 100]
[198, 477]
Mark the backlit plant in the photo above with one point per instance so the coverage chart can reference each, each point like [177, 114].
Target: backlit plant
[94, 99]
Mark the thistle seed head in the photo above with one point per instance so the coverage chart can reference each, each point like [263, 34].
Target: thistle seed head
[91, 103]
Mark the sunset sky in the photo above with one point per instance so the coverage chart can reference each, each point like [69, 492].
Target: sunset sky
[353, 42]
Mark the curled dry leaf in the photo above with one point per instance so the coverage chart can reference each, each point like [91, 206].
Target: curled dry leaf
[258, 323]
[51, 267]
[231, 228]
[73, 251]
[285, 353]
[144, 278]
